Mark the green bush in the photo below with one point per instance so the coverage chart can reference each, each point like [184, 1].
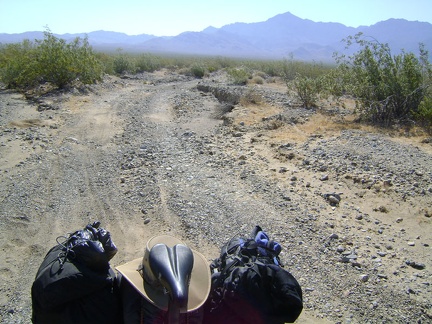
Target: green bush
[307, 90]
[424, 113]
[122, 63]
[198, 70]
[388, 88]
[49, 60]
[147, 63]
[18, 65]
[238, 76]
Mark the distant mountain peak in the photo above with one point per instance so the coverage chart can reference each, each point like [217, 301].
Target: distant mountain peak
[275, 38]
[210, 29]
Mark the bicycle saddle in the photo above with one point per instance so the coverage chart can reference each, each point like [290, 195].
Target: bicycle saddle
[172, 267]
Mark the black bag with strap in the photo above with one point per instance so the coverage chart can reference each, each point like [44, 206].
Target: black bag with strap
[75, 284]
[249, 284]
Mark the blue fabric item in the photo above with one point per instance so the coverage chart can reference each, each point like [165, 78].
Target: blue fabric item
[263, 240]
[242, 242]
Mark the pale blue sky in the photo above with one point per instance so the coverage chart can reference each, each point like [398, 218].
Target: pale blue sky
[172, 17]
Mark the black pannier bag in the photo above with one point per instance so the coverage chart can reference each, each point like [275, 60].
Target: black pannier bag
[249, 284]
[74, 283]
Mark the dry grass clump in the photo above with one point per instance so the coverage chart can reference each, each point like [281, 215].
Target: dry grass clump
[257, 80]
[251, 97]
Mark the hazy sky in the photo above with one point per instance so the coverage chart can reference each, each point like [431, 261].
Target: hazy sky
[172, 17]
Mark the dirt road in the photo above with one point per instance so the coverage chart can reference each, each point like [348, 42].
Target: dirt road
[146, 155]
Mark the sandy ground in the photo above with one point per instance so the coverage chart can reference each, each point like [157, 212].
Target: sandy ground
[65, 167]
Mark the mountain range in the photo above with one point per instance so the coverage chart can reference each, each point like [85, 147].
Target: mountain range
[276, 38]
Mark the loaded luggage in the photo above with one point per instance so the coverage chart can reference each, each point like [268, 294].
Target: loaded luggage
[75, 283]
[249, 284]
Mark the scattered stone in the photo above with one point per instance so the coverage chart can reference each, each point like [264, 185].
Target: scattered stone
[195, 177]
[415, 265]
[340, 249]
[381, 209]
[72, 139]
[333, 199]
[411, 243]
[364, 277]
[325, 177]
[410, 291]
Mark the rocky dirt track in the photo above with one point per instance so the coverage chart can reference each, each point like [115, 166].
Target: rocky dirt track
[165, 153]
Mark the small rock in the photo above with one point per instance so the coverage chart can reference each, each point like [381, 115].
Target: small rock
[333, 199]
[410, 291]
[72, 139]
[381, 209]
[146, 221]
[364, 277]
[324, 177]
[340, 249]
[411, 243]
[415, 265]
[334, 236]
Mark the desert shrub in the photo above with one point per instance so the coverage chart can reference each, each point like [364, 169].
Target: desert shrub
[106, 61]
[49, 60]
[424, 113]
[388, 88]
[198, 70]
[251, 97]
[272, 68]
[238, 76]
[334, 83]
[18, 65]
[261, 74]
[306, 89]
[147, 63]
[123, 63]
[257, 80]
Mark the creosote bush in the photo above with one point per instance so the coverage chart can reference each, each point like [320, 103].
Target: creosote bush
[238, 76]
[147, 63]
[51, 60]
[198, 70]
[388, 88]
[307, 90]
